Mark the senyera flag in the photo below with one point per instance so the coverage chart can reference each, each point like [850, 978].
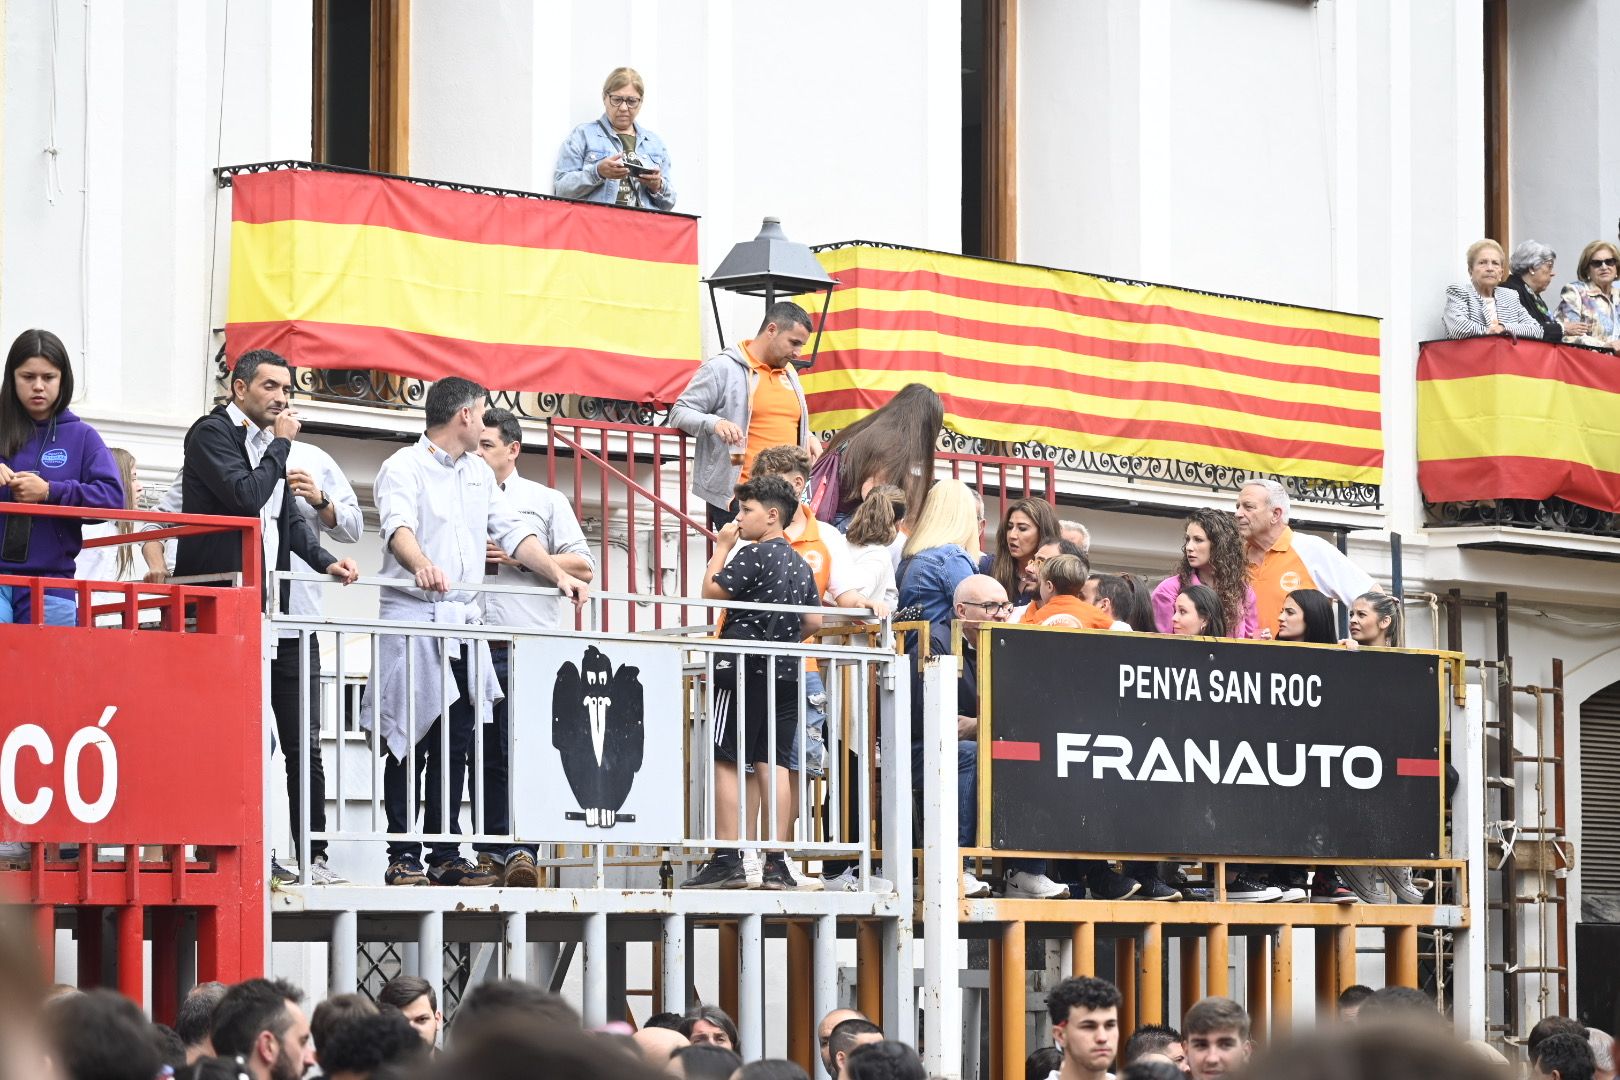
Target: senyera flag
[1505, 419]
[1021, 353]
[355, 270]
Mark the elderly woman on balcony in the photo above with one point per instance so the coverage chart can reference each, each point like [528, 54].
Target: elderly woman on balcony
[1532, 264]
[1592, 300]
[1481, 305]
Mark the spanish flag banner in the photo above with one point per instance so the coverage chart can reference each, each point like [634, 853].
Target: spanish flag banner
[1022, 353]
[354, 270]
[1505, 419]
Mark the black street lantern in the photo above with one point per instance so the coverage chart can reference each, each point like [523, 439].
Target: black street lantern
[771, 265]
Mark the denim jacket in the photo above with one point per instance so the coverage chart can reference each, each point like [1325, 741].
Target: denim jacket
[576, 176]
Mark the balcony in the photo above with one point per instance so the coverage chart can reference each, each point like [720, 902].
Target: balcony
[1516, 445]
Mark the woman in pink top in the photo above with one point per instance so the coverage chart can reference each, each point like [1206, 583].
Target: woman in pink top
[1211, 554]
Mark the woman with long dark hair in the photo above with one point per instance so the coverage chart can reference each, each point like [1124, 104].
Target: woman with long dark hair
[1212, 555]
[1029, 524]
[1375, 622]
[1198, 613]
[1307, 615]
[894, 445]
[47, 455]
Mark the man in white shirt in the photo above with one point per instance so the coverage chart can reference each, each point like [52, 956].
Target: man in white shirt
[325, 499]
[439, 506]
[559, 533]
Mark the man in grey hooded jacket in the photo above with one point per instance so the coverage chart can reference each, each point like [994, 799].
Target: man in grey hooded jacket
[733, 416]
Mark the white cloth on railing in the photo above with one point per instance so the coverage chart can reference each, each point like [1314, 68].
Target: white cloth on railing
[426, 685]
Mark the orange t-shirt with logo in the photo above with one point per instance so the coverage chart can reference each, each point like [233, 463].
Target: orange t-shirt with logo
[1087, 615]
[1275, 576]
[773, 411]
[813, 550]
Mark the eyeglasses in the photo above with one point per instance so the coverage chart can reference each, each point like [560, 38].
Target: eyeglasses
[624, 102]
[1001, 606]
[1602, 262]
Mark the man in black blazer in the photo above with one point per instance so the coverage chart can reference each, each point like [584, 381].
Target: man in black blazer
[236, 466]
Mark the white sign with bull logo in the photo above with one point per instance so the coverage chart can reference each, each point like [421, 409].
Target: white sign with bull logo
[597, 755]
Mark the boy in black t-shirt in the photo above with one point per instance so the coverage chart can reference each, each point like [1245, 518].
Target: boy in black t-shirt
[767, 571]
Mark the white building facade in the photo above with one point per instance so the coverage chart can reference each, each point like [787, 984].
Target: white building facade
[1329, 153]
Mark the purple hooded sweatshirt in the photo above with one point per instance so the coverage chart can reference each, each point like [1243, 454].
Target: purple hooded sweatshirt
[71, 457]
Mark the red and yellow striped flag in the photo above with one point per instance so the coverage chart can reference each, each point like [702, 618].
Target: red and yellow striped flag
[351, 270]
[1504, 419]
[1027, 353]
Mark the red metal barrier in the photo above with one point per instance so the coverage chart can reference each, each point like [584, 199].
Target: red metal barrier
[657, 501]
[144, 735]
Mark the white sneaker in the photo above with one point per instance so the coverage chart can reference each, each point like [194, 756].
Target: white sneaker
[1399, 880]
[973, 888]
[848, 881]
[322, 874]
[1364, 881]
[804, 883]
[1022, 883]
[753, 869]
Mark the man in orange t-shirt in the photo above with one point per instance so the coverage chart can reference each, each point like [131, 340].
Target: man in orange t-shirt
[741, 401]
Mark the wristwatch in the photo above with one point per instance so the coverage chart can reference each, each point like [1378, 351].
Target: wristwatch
[326, 500]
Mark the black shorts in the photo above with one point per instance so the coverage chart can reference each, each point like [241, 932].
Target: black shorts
[757, 705]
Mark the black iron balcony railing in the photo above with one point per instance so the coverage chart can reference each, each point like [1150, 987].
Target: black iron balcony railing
[382, 390]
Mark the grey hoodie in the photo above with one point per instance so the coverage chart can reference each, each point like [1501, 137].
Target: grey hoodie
[723, 389]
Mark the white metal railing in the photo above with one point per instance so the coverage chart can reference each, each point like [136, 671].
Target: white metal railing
[865, 684]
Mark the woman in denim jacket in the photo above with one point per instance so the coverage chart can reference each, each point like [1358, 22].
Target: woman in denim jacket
[591, 164]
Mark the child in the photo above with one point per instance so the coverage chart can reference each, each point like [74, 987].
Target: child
[767, 571]
[1060, 585]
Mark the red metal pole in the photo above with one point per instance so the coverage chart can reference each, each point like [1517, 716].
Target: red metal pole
[89, 936]
[132, 952]
[165, 964]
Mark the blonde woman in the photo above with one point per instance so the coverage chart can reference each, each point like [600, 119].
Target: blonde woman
[1482, 305]
[1593, 299]
[613, 159]
[942, 550]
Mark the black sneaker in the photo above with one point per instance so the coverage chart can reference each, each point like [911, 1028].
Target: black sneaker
[1327, 888]
[459, 871]
[1154, 889]
[776, 876]
[1111, 885]
[407, 871]
[720, 872]
[1244, 889]
[280, 875]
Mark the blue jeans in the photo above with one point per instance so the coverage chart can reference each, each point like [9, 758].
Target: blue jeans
[815, 727]
[17, 606]
[967, 788]
[497, 768]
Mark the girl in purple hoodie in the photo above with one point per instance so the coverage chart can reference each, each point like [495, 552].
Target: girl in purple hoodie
[47, 455]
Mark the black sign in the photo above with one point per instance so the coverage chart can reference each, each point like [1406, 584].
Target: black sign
[1129, 743]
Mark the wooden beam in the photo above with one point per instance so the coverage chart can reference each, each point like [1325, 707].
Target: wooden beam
[1327, 976]
[869, 969]
[1192, 971]
[1401, 956]
[801, 1034]
[730, 956]
[1010, 984]
[999, 197]
[1218, 982]
[1083, 939]
[1259, 985]
[1150, 975]
[1125, 979]
[1282, 983]
[1344, 946]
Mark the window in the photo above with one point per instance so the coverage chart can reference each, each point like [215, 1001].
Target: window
[990, 128]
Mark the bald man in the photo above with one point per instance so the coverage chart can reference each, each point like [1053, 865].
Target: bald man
[824, 1032]
[657, 1044]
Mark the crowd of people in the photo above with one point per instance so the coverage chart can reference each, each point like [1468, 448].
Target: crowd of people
[264, 1029]
[856, 523]
[1504, 295]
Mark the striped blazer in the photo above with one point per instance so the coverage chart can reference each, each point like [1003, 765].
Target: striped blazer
[1465, 313]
